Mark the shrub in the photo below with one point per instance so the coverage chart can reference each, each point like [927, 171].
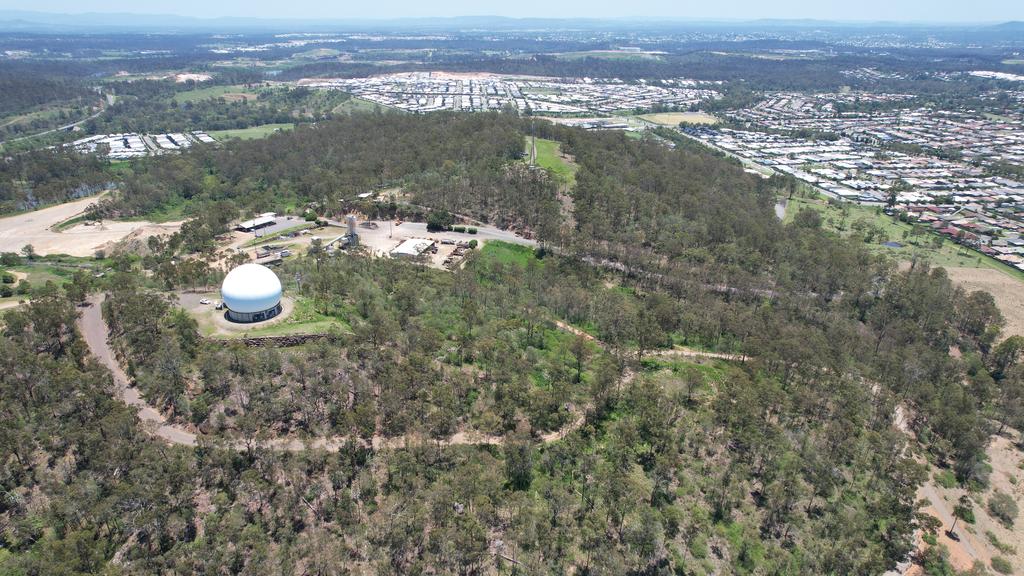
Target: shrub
[471, 230]
[9, 259]
[23, 287]
[8, 278]
[946, 479]
[999, 544]
[6, 291]
[929, 539]
[698, 546]
[439, 220]
[458, 228]
[1003, 508]
[472, 244]
[1002, 565]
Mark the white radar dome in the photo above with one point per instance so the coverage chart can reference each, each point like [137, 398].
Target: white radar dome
[250, 289]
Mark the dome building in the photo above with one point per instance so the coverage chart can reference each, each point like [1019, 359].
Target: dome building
[251, 293]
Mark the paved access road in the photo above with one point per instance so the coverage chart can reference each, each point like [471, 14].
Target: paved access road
[94, 330]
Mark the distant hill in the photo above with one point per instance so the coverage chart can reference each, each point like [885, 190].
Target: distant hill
[1012, 26]
[31, 21]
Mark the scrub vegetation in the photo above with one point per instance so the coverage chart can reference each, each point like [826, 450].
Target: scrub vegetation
[538, 411]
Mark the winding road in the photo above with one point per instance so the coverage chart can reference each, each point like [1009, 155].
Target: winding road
[95, 331]
[107, 100]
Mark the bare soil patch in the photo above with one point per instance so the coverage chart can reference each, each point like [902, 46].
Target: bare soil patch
[36, 228]
[238, 97]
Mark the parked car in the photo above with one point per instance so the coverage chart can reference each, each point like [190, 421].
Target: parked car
[218, 305]
[204, 301]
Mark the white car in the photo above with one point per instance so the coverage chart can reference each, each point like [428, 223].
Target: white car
[204, 301]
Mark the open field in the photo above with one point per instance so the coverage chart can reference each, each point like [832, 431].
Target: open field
[229, 93]
[254, 132]
[355, 105]
[50, 113]
[1014, 62]
[949, 255]
[550, 157]
[1008, 292]
[317, 53]
[674, 118]
[607, 55]
[967, 268]
[37, 228]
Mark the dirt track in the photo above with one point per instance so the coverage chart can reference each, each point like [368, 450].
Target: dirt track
[35, 228]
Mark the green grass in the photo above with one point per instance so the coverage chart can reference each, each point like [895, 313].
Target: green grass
[52, 113]
[261, 131]
[946, 479]
[317, 53]
[211, 92]
[607, 55]
[507, 253]
[948, 255]
[304, 319]
[37, 274]
[549, 157]
[1014, 62]
[355, 106]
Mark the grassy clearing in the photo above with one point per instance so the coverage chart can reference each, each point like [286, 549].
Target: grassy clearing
[355, 106]
[304, 319]
[549, 157]
[227, 92]
[1014, 62]
[52, 113]
[674, 118]
[317, 53]
[261, 131]
[36, 274]
[841, 218]
[608, 55]
[507, 253]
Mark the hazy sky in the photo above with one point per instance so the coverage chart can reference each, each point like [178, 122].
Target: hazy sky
[912, 10]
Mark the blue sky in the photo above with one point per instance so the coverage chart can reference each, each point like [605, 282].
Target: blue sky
[863, 10]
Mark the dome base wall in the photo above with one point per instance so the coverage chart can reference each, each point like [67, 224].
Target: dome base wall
[250, 317]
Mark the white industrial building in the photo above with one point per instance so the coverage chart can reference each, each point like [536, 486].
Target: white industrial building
[251, 293]
[412, 248]
[261, 221]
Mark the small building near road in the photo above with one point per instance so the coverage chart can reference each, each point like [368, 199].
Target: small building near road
[251, 293]
[412, 248]
[261, 221]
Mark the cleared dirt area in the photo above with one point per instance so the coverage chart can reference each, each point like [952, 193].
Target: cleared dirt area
[238, 96]
[973, 543]
[1008, 292]
[36, 228]
[674, 118]
[387, 236]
